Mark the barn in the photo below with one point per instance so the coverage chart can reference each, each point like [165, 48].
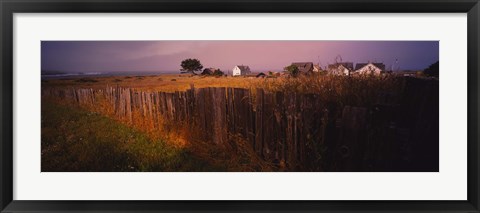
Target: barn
[241, 70]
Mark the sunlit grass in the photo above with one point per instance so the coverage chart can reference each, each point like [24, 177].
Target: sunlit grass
[78, 140]
[164, 83]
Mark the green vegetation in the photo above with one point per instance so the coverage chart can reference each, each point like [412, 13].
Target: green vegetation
[191, 65]
[77, 140]
[292, 70]
[218, 73]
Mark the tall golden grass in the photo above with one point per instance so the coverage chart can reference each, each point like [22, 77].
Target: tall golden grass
[360, 90]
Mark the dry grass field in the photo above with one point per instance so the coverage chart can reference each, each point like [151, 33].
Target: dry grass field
[358, 90]
[74, 136]
[164, 83]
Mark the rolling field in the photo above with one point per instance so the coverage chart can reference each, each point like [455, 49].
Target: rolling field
[164, 83]
[139, 123]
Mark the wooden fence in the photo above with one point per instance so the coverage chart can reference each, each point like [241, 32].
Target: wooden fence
[294, 129]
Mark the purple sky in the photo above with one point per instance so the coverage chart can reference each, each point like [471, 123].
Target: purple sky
[117, 56]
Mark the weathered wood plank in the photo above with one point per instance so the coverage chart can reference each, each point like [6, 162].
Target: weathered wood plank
[259, 120]
[219, 115]
[352, 138]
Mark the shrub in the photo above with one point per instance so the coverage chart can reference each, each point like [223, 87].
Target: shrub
[218, 73]
[432, 70]
[292, 70]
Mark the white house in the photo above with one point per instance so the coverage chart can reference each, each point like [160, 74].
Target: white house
[369, 68]
[340, 68]
[241, 70]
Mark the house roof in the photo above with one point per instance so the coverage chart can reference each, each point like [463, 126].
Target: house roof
[304, 66]
[208, 71]
[348, 65]
[361, 65]
[243, 68]
[260, 74]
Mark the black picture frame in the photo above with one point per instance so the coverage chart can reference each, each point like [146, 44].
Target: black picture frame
[9, 7]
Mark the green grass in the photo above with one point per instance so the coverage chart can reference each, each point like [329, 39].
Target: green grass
[77, 140]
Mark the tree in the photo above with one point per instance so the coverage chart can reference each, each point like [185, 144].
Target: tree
[191, 65]
[432, 70]
[292, 70]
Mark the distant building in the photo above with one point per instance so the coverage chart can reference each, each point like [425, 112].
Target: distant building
[209, 71]
[304, 67]
[369, 68]
[317, 68]
[340, 68]
[260, 75]
[241, 70]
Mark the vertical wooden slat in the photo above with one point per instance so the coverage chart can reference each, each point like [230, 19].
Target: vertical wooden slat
[259, 119]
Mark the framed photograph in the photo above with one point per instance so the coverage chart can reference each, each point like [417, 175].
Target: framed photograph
[239, 106]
